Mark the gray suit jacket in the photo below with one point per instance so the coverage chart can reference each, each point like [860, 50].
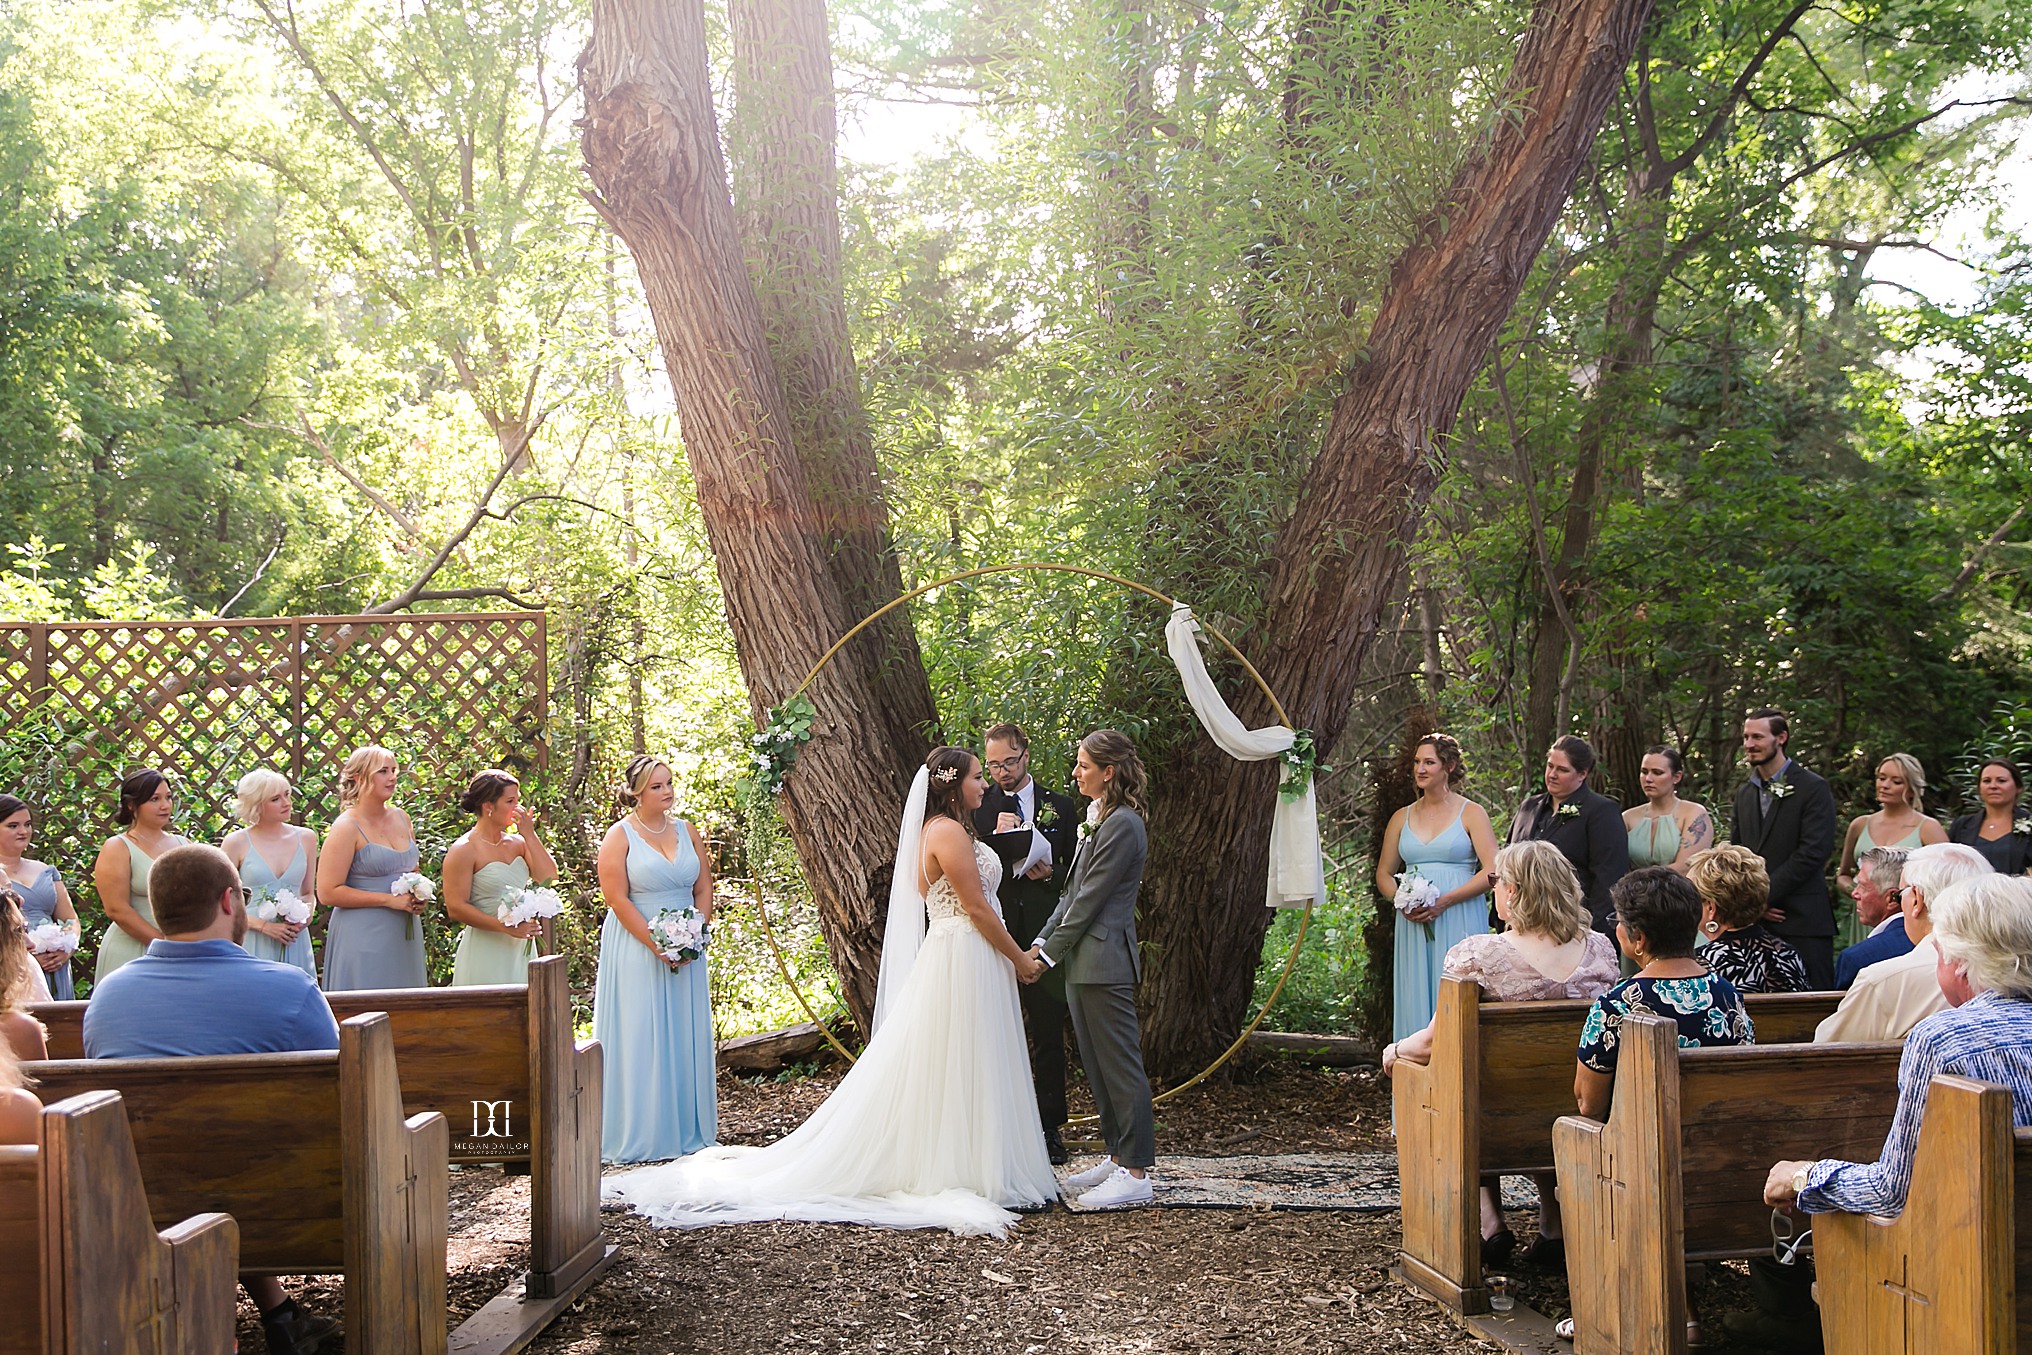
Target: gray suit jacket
[1093, 932]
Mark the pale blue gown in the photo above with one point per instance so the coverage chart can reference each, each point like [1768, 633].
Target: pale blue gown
[1449, 861]
[493, 957]
[38, 905]
[654, 1025]
[262, 883]
[375, 947]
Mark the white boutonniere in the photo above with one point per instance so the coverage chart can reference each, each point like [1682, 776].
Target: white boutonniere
[2023, 826]
[1086, 830]
[1569, 810]
[1781, 789]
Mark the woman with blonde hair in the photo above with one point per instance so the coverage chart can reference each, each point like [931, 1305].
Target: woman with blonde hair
[121, 871]
[1901, 820]
[1548, 951]
[21, 983]
[1734, 889]
[652, 1011]
[375, 938]
[264, 803]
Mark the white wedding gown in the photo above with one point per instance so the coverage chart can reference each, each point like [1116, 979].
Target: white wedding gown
[934, 1127]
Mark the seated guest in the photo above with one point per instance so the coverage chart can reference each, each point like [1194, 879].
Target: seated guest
[1657, 913]
[21, 983]
[1734, 889]
[1880, 881]
[1892, 996]
[1547, 952]
[1982, 934]
[19, 1110]
[197, 992]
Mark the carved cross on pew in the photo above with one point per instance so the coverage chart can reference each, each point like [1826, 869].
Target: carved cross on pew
[1908, 1297]
[1613, 1204]
[158, 1338]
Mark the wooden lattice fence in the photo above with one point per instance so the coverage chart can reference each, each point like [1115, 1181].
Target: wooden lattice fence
[206, 701]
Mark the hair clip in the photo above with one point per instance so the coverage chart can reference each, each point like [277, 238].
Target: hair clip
[946, 775]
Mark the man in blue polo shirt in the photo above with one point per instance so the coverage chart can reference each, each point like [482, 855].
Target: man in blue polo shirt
[196, 992]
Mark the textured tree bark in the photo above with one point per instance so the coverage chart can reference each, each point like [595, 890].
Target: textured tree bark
[1340, 554]
[652, 147]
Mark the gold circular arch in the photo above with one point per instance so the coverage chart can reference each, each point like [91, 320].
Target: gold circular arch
[1049, 567]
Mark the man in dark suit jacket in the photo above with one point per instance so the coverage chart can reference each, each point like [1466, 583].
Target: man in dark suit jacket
[1785, 814]
[1015, 807]
[1586, 827]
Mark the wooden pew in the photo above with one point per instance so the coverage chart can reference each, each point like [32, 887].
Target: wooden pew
[1501, 1073]
[503, 1066]
[1677, 1173]
[82, 1268]
[1954, 1271]
[312, 1157]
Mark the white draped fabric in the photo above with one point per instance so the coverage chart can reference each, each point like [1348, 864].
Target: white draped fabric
[1297, 874]
[903, 936]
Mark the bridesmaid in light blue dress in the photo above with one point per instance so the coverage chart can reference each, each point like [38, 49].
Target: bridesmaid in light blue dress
[39, 886]
[121, 872]
[265, 804]
[375, 938]
[1447, 838]
[653, 1018]
[491, 865]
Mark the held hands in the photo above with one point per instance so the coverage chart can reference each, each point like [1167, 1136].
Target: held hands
[1774, 915]
[1427, 912]
[1030, 966]
[52, 960]
[405, 903]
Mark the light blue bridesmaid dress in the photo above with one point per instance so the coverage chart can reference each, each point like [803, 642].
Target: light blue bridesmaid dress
[116, 947]
[38, 905]
[655, 1026]
[375, 947]
[493, 957]
[262, 883]
[1449, 861]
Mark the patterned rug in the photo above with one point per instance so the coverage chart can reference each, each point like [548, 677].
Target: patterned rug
[1360, 1182]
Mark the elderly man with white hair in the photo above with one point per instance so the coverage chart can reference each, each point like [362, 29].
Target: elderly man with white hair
[1892, 996]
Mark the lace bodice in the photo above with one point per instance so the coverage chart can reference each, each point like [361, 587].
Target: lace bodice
[942, 901]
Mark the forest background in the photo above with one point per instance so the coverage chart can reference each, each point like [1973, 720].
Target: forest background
[310, 309]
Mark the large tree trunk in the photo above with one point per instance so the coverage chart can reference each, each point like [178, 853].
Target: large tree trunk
[1340, 554]
[652, 146]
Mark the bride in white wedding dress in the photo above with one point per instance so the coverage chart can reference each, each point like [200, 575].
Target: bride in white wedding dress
[936, 1125]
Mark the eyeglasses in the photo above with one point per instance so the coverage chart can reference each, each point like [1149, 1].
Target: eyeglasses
[1009, 764]
[1494, 879]
[241, 893]
[1785, 1246]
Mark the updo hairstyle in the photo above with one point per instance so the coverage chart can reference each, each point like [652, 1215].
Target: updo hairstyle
[136, 790]
[948, 767]
[1579, 752]
[10, 805]
[1671, 756]
[362, 764]
[485, 788]
[635, 779]
[1447, 749]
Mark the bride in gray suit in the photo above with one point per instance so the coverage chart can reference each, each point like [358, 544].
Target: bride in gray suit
[1093, 935]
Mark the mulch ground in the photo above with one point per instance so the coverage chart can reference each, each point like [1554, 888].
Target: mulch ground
[1139, 1281]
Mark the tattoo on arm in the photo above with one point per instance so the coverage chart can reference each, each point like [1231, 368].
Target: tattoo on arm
[1700, 830]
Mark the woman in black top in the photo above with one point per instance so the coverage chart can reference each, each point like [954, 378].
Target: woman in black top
[1734, 890]
[2000, 830]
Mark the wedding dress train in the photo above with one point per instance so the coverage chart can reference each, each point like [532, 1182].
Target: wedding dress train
[934, 1127]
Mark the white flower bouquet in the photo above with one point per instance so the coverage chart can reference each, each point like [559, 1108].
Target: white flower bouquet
[531, 905]
[682, 935]
[1415, 891]
[284, 905]
[418, 887]
[47, 937]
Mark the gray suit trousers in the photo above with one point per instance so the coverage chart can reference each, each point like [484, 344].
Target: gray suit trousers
[1104, 1020]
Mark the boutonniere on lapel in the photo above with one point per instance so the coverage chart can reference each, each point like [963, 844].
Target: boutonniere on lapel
[1782, 789]
[1086, 830]
[2023, 826]
[1569, 810]
[1047, 813]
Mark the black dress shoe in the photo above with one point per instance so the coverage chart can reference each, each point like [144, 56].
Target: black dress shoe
[292, 1331]
[1497, 1246]
[1546, 1253]
[1054, 1148]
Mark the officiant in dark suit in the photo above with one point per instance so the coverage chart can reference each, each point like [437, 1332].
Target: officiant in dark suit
[1022, 822]
[1586, 827]
[1785, 814]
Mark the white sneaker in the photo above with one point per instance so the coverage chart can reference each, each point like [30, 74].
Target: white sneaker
[1120, 1191]
[1093, 1175]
